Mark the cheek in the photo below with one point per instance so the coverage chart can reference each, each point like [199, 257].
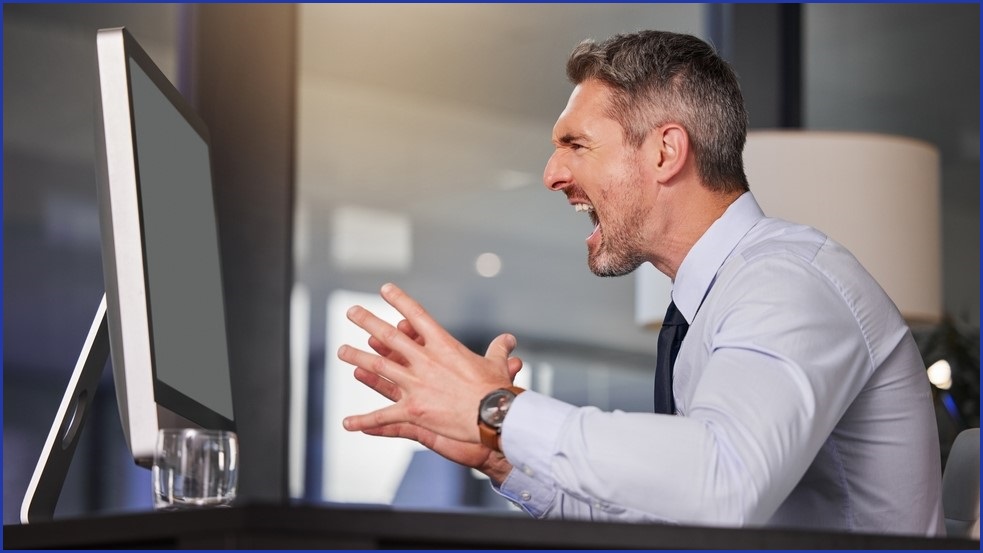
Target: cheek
[605, 181]
[620, 184]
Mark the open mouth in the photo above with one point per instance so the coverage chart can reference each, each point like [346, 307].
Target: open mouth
[589, 209]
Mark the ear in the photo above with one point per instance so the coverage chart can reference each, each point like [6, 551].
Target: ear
[672, 144]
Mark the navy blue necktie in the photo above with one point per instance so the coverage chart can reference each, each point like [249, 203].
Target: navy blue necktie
[674, 328]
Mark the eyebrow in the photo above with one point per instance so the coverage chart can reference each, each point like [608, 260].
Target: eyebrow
[570, 138]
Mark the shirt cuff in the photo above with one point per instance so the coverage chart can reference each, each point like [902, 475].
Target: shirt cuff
[529, 439]
[533, 496]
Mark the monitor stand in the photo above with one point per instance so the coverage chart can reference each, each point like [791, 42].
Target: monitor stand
[56, 456]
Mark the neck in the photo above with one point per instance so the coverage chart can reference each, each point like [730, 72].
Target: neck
[687, 216]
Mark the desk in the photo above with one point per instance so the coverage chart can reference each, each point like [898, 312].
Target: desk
[265, 526]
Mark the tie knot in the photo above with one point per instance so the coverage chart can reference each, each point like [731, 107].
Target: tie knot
[673, 316]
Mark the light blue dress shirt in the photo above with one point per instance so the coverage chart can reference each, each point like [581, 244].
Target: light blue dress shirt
[802, 398]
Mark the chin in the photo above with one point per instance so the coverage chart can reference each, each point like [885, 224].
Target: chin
[608, 266]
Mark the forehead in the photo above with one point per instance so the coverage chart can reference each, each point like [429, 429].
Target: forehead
[586, 113]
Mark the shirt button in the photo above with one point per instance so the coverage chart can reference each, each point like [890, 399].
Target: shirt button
[525, 496]
[527, 470]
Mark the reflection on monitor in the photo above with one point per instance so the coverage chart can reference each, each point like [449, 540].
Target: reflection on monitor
[163, 315]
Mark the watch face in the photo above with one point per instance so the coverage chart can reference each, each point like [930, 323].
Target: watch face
[494, 407]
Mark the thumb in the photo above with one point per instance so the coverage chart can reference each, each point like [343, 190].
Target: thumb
[501, 347]
[515, 365]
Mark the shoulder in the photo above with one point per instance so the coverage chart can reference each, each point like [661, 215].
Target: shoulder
[778, 245]
[796, 276]
[772, 238]
[782, 267]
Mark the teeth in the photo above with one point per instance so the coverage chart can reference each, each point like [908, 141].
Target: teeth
[583, 207]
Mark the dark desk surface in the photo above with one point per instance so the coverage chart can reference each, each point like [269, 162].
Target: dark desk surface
[263, 526]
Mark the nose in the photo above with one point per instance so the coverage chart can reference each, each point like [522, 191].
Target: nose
[556, 176]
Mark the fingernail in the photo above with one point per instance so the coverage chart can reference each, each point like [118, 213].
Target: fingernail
[387, 287]
[347, 424]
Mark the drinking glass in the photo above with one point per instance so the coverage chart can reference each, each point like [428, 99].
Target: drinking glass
[195, 468]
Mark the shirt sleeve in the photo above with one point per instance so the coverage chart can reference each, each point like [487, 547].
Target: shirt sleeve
[533, 422]
[768, 395]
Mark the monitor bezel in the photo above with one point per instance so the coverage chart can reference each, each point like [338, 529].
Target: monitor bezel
[146, 404]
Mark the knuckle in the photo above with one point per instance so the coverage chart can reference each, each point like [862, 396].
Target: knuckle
[389, 334]
[416, 310]
[415, 410]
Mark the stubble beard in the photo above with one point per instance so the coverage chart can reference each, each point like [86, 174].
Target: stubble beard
[620, 250]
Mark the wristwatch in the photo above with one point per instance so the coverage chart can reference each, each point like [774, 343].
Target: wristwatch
[491, 415]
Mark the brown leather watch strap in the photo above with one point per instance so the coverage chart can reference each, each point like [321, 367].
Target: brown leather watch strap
[489, 437]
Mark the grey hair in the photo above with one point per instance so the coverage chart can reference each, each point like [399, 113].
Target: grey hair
[659, 77]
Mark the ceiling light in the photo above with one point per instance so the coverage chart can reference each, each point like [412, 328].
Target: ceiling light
[488, 265]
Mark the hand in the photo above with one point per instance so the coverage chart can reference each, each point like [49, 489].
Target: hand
[491, 463]
[436, 382]
[477, 456]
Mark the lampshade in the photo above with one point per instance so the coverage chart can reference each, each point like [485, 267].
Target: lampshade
[878, 195]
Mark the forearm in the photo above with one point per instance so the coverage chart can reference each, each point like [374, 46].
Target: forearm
[558, 476]
[647, 467]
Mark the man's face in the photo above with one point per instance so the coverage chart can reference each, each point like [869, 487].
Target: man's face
[601, 176]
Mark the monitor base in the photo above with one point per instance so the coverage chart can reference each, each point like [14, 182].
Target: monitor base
[59, 448]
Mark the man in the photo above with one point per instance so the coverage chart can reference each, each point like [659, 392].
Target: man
[798, 397]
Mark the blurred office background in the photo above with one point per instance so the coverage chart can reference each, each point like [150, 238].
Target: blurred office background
[415, 137]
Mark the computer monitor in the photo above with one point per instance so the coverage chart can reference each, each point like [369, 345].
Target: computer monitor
[163, 313]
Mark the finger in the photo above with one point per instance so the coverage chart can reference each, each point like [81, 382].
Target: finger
[501, 347]
[384, 387]
[387, 334]
[406, 328]
[405, 430]
[382, 350]
[378, 347]
[381, 366]
[380, 417]
[415, 314]
[515, 365]
[399, 430]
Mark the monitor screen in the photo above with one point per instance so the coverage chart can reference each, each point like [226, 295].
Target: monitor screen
[166, 310]
[187, 315]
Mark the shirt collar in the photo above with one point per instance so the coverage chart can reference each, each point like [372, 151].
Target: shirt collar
[699, 267]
